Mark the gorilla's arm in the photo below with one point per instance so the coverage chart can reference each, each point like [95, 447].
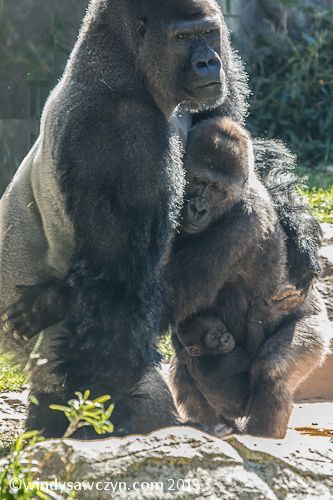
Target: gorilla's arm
[200, 268]
[123, 229]
[275, 166]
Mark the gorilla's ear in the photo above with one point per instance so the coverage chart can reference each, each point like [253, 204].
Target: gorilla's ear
[193, 350]
[141, 27]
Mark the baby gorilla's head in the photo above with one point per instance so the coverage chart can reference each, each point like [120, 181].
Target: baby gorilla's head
[217, 168]
[204, 335]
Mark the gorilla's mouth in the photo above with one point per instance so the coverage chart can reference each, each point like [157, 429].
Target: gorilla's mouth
[191, 227]
[210, 84]
[209, 90]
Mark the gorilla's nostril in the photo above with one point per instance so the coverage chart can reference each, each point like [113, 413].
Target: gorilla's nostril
[213, 62]
[201, 65]
[192, 207]
[202, 211]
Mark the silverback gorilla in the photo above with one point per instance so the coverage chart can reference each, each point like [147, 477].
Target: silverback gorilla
[97, 198]
[228, 266]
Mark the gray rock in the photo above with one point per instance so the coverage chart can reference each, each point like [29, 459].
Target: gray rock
[326, 258]
[185, 463]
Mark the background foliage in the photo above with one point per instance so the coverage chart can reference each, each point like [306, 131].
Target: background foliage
[287, 45]
[292, 88]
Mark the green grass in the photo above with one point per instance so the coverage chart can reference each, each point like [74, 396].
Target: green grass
[318, 191]
[321, 203]
[12, 378]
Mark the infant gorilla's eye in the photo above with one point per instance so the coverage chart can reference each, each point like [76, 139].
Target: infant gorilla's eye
[181, 36]
[222, 193]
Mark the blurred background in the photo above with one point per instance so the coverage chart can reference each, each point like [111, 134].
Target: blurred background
[287, 46]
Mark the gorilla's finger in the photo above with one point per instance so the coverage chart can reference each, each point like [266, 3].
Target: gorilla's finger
[290, 303]
[23, 324]
[15, 310]
[16, 335]
[28, 332]
[7, 327]
[10, 329]
[285, 292]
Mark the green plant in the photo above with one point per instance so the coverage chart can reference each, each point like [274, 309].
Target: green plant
[12, 378]
[166, 348]
[83, 412]
[18, 478]
[321, 203]
[17, 475]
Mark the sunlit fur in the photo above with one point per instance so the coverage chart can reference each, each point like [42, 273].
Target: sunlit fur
[230, 268]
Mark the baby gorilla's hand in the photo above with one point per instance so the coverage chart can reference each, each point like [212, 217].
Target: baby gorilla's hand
[288, 298]
[39, 307]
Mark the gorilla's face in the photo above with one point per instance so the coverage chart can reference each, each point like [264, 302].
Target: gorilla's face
[181, 58]
[206, 196]
[219, 341]
[195, 49]
[216, 164]
[206, 335]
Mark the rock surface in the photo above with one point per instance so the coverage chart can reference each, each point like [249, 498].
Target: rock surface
[186, 463]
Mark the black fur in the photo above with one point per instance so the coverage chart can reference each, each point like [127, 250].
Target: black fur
[106, 127]
[231, 264]
[276, 168]
[118, 161]
[121, 176]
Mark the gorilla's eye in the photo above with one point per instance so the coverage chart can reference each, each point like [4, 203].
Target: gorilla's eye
[222, 193]
[209, 32]
[212, 338]
[181, 36]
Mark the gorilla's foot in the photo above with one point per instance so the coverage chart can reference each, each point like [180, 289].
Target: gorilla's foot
[51, 423]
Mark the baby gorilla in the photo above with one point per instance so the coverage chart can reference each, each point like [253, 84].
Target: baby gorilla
[206, 335]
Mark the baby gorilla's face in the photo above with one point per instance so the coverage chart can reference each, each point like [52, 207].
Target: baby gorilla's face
[216, 165]
[208, 336]
[219, 340]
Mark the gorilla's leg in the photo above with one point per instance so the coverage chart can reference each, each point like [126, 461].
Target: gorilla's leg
[51, 423]
[151, 404]
[146, 407]
[191, 404]
[282, 363]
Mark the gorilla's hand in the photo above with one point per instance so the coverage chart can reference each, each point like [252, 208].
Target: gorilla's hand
[39, 307]
[288, 298]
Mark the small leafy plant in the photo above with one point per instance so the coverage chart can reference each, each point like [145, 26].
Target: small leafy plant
[18, 478]
[82, 412]
[18, 473]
